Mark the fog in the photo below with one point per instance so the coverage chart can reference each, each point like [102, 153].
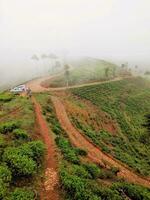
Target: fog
[114, 30]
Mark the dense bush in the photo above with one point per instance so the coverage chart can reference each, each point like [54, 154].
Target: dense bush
[69, 152]
[20, 134]
[37, 147]
[134, 192]
[5, 174]
[93, 170]
[2, 141]
[4, 97]
[19, 164]
[3, 189]
[21, 194]
[8, 126]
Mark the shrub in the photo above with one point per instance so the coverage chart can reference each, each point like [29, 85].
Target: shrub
[5, 97]
[20, 134]
[56, 130]
[5, 174]
[80, 171]
[3, 189]
[74, 185]
[37, 147]
[8, 126]
[134, 192]
[68, 151]
[93, 169]
[2, 141]
[81, 152]
[21, 194]
[19, 164]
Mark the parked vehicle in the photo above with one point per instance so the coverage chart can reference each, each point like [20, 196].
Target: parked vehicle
[18, 89]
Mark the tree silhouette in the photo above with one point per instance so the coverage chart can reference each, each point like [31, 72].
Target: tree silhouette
[107, 72]
[67, 73]
[36, 59]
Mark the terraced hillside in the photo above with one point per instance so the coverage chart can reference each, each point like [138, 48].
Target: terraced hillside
[80, 178]
[127, 102]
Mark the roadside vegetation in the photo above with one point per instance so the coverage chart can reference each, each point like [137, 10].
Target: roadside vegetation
[21, 154]
[128, 103]
[81, 179]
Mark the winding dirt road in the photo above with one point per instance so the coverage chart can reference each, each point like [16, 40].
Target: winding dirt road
[94, 153]
[37, 85]
[50, 185]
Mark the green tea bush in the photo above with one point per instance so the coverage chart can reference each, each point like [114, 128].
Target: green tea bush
[8, 126]
[5, 174]
[19, 164]
[93, 170]
[68, 151]
[37, 147]
[4, 97]
[2, 141]
[21, 194]
[20, 134]
[3, 189]
[81, 152]
[80, 171]
[134, 192]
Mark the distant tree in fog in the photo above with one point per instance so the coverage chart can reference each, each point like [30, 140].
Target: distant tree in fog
[53, 59]
[114, 71]
[36, 59]
[107, 72]
[67, 73]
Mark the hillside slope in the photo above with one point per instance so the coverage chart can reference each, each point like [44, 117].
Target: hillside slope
[85, 70]
[126, 102]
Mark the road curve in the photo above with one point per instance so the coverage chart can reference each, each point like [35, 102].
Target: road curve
[37, 85]
[94, 152]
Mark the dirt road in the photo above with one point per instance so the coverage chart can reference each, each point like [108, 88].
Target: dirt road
[50, 185]
[94, 153]
[37, 85]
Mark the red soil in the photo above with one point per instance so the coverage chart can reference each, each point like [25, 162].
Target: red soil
[50, 185]
[94, 153]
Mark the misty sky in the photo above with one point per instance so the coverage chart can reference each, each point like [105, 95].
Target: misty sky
[113, 29]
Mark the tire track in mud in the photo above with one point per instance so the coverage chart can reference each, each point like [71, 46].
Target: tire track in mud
[50, 184]
[94, 153]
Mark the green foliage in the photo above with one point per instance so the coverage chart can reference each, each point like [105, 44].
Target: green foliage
[8, 126]
[69, 152]
[19, 164]
[5, 174]
[134, 192]
[20, 134]
[126, 102]
[81, 152]
[21, 194]
[3, 189]
[86, 70]
[36, 147]
[2, 141]
[93, 170]
[6, 97]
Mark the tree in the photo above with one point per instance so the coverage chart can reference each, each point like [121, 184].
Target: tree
[67, 73]
[36, 59]
[114, 71]
[107, 72]
[53, 59]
